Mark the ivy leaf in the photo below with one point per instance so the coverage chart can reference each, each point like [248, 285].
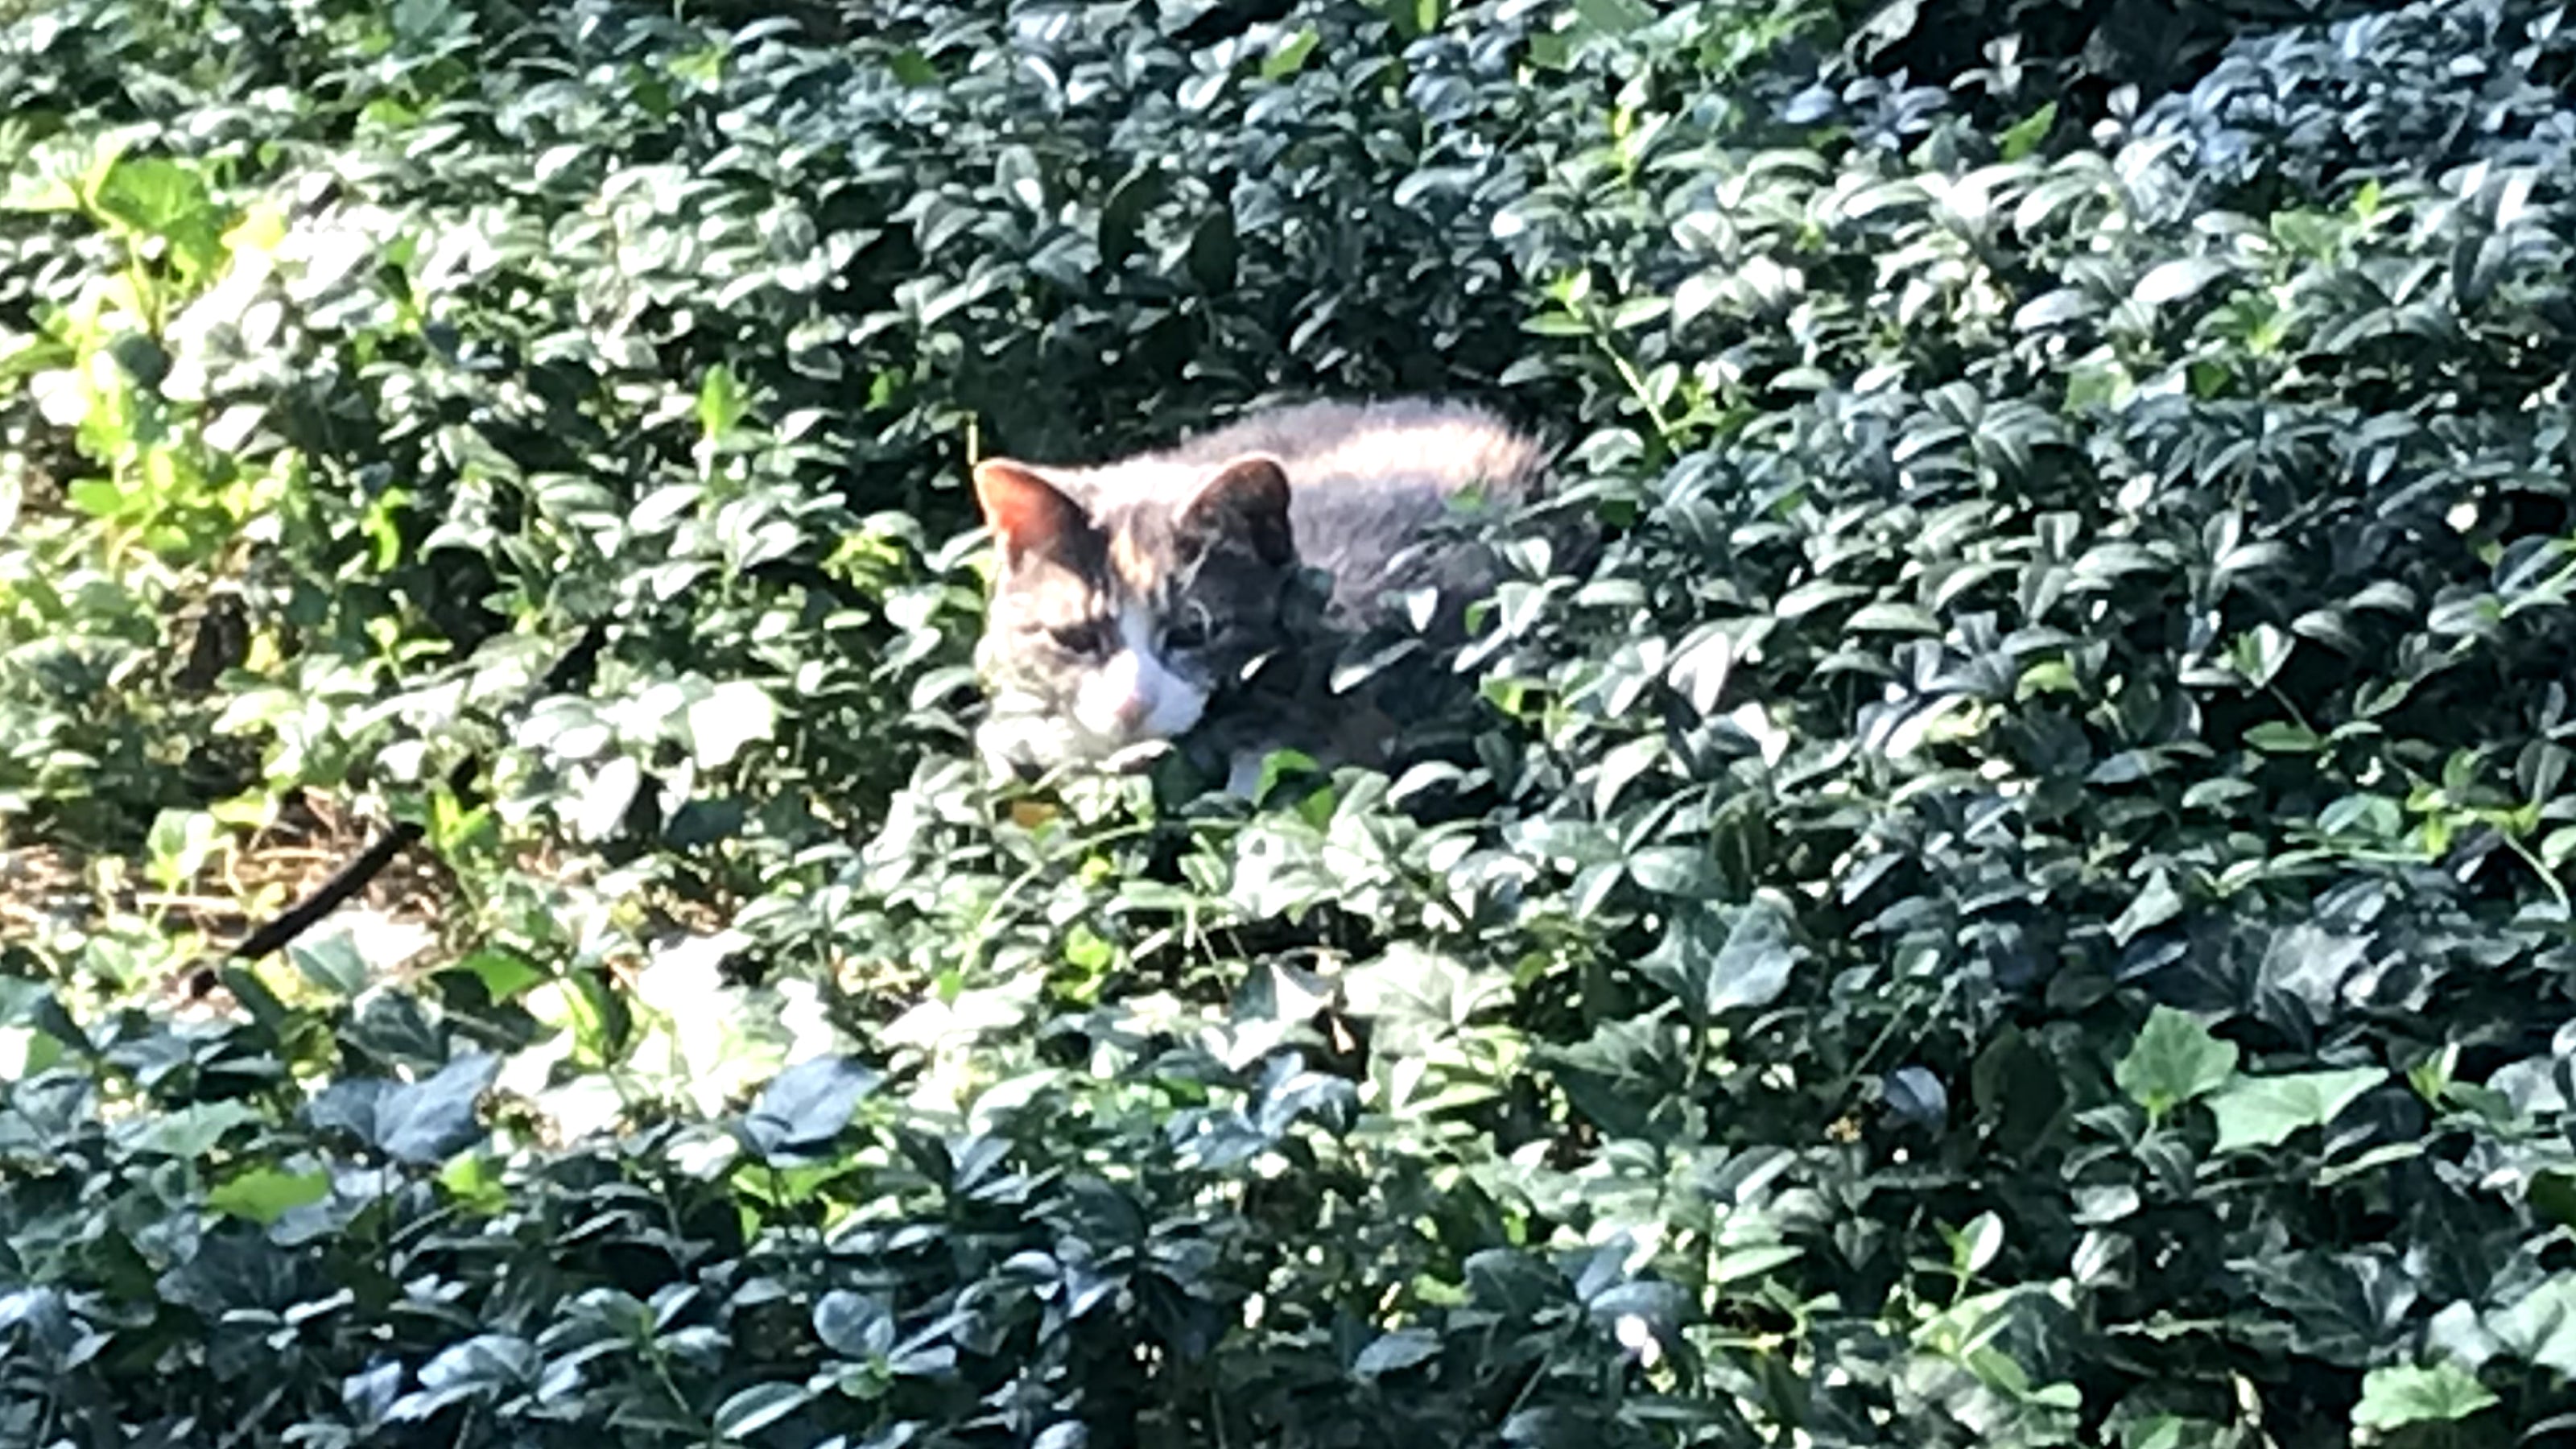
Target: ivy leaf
[189, 1132]
[2174, 1060]
[1390, 1352]
[1415, 998]
[1513, 1283]
[2264, 1111]
[805, 1106]
[330, 960]
[2156, 904]
[2403, 1394]
[485, 1367]
[2540, 1327]
[265, 1194]
[1749, 967]
[421, 1123]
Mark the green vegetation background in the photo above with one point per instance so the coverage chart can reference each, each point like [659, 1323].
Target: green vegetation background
[2022, 900]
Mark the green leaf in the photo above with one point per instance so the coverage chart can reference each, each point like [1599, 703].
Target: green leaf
[1122, 216]
[2280, 737]
[2552, 1194]
[2403, 1394]
[1513, 1283]
[1612, 18]
[2023, 136]
[2174, 1060]
[485, 1366]
[1672, 870]
[1698, 292]
[758, 1407]
[169, 200]
[331, 961]
[2260, 652]
[504, 974]
[264, 1194]
[602, 797]
[1973, 1248]
[719, 725]
[189, 1132]
[1390, 1352]
[1415, 997]
[1214, 252]
[912, 68]
[1414, 19]
[2179, 279]
[181, 842]
[422, 1123]
[855, 1325]
[2540, 1326]
[1290, 56]
[1748, 967]
[805, 1107]
[722, 402]
[2264, 1111]
[2156, 904]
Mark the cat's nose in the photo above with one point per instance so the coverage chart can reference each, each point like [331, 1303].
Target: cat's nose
[1132, 711]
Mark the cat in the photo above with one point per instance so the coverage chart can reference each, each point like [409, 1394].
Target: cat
[1140, 600]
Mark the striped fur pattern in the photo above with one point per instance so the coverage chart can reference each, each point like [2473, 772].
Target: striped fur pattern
[1135, 599]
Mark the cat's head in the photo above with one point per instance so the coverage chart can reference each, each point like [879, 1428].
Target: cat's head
[1125, 602]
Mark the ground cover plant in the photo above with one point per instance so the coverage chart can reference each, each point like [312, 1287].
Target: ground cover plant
[2021, 898]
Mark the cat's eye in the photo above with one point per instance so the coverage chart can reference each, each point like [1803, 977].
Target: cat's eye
[1087, 637]
[1188, 632]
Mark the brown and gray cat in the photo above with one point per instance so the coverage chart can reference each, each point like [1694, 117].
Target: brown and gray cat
[1141, 599]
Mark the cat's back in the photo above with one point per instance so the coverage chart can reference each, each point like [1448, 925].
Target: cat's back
[1335, 452]
[1366, 479]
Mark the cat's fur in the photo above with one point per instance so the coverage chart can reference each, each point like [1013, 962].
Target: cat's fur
[1140, 599]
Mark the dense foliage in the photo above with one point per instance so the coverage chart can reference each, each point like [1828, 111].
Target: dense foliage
[2022, 899]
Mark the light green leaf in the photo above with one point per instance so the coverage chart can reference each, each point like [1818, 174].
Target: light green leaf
[2264, 1111]
[1975, 1246]
[181, 841]
[191, 1131]
[721, 401]
[2174, 1060]
[1414, 997]
[1291, 54]
[2023, 136]
[1612, 17]
[2394, 1397]
[264, 1194]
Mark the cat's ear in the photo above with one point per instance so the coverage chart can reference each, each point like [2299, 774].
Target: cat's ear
[1026, 512]
[1247, 499]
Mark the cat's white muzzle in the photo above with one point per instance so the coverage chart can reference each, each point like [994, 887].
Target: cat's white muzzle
[1132, 696]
